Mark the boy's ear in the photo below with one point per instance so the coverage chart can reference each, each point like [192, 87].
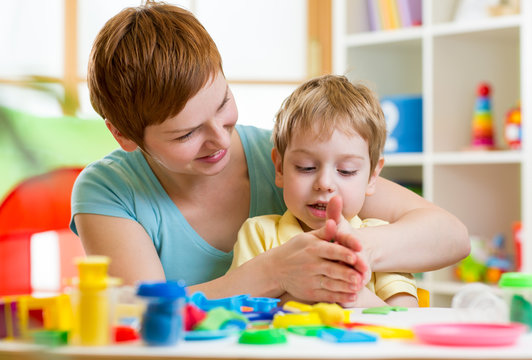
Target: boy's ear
[372, 183]
[278, 164]
[125, 143]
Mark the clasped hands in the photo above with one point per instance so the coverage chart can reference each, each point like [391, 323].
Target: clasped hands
[326, 264]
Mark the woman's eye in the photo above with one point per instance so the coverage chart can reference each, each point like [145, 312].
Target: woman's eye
[347, 172]
[184, 137]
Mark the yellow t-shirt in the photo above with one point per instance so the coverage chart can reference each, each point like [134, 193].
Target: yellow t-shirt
[261, 233]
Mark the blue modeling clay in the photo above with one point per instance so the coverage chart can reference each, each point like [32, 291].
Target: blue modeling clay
[345, 336]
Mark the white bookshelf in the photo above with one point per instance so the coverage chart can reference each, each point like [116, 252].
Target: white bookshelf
[444, 61]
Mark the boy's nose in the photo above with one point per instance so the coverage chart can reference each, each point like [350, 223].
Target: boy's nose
[324, 182]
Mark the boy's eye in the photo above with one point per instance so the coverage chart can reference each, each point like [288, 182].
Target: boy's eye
[347, 172]
[305, 168]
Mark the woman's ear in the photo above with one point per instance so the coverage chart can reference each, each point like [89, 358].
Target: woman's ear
[372, 183]
[125, 143]
[278, 164]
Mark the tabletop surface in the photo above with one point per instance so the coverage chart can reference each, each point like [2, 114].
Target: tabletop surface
[298, 347]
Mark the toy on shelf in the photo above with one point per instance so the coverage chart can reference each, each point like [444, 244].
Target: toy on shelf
[482, 131]
[512, 127]
[486, 262]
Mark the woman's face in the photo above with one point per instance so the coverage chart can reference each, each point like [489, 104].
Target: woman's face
[197, 140]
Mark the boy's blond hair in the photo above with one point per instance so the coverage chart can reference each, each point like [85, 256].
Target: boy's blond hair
[324, 104]
[146, 63]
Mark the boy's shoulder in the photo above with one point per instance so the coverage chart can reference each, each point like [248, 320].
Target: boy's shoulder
[263, 220]
[358, 223]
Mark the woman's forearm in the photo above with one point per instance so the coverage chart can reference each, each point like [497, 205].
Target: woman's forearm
[423, 239]
[253, 277]
[421, 236]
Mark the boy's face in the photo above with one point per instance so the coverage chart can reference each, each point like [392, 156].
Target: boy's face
[197, 140]
[313, 171]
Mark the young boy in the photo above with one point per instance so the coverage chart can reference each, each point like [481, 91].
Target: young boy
[328, 138]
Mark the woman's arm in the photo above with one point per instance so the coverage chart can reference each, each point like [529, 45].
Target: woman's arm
[420, 237]
[133, 256]
[308, 267]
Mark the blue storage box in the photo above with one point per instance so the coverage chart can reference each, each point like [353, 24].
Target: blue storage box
[404, 123]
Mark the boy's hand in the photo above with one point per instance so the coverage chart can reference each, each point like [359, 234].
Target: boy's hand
[345, 235]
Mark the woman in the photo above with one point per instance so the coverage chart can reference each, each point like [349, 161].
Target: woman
[170, 202]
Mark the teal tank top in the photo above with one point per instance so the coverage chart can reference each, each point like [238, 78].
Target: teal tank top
[123, 185]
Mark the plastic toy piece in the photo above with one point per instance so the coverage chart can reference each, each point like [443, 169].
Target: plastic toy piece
[258, 316]
[263, 337]
[385, 332]
[262, 304]
[220, 318]
[93, 308]
[482, 136]
[299, 319]
[125, 333]
[295, 306]
[351, 325]
[209, 334]
[233, 303]
[383, 310]
[8, 319]
[193, 316]
[56, 313]
[330, 314]
[306, 330]
[259, 325]
[512, 128]
[51, 338]
[345, 336]
[469, 334]
[162, 322]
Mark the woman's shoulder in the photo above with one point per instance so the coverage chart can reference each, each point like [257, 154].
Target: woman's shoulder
[116, 169]
[254, 137]
[119, 160]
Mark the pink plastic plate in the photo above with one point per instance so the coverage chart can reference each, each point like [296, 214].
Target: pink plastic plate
[469, 334]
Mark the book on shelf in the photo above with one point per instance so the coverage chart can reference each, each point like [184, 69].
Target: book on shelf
[393, 14]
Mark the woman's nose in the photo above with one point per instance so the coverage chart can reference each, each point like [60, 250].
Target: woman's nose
[220, 136]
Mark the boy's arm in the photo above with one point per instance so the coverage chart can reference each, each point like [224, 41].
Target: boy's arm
[402, 299]
[367, 298]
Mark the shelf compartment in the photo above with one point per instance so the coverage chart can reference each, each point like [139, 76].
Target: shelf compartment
[492, 194]
[357, 16]
[478, 157]
[403, 159]
[388, 68]
[409, 176]
[461, 63]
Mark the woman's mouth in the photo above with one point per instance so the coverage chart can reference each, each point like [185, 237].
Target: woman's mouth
[213, 158]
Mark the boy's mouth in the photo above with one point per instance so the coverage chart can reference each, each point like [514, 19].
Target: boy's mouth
[319, 206]
[318, 209]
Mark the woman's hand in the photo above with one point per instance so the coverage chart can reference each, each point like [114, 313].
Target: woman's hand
[312, 268]
[324, 264]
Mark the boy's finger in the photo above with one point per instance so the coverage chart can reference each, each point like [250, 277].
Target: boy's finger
[327, 232]
[348, 240]
[334, 209]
